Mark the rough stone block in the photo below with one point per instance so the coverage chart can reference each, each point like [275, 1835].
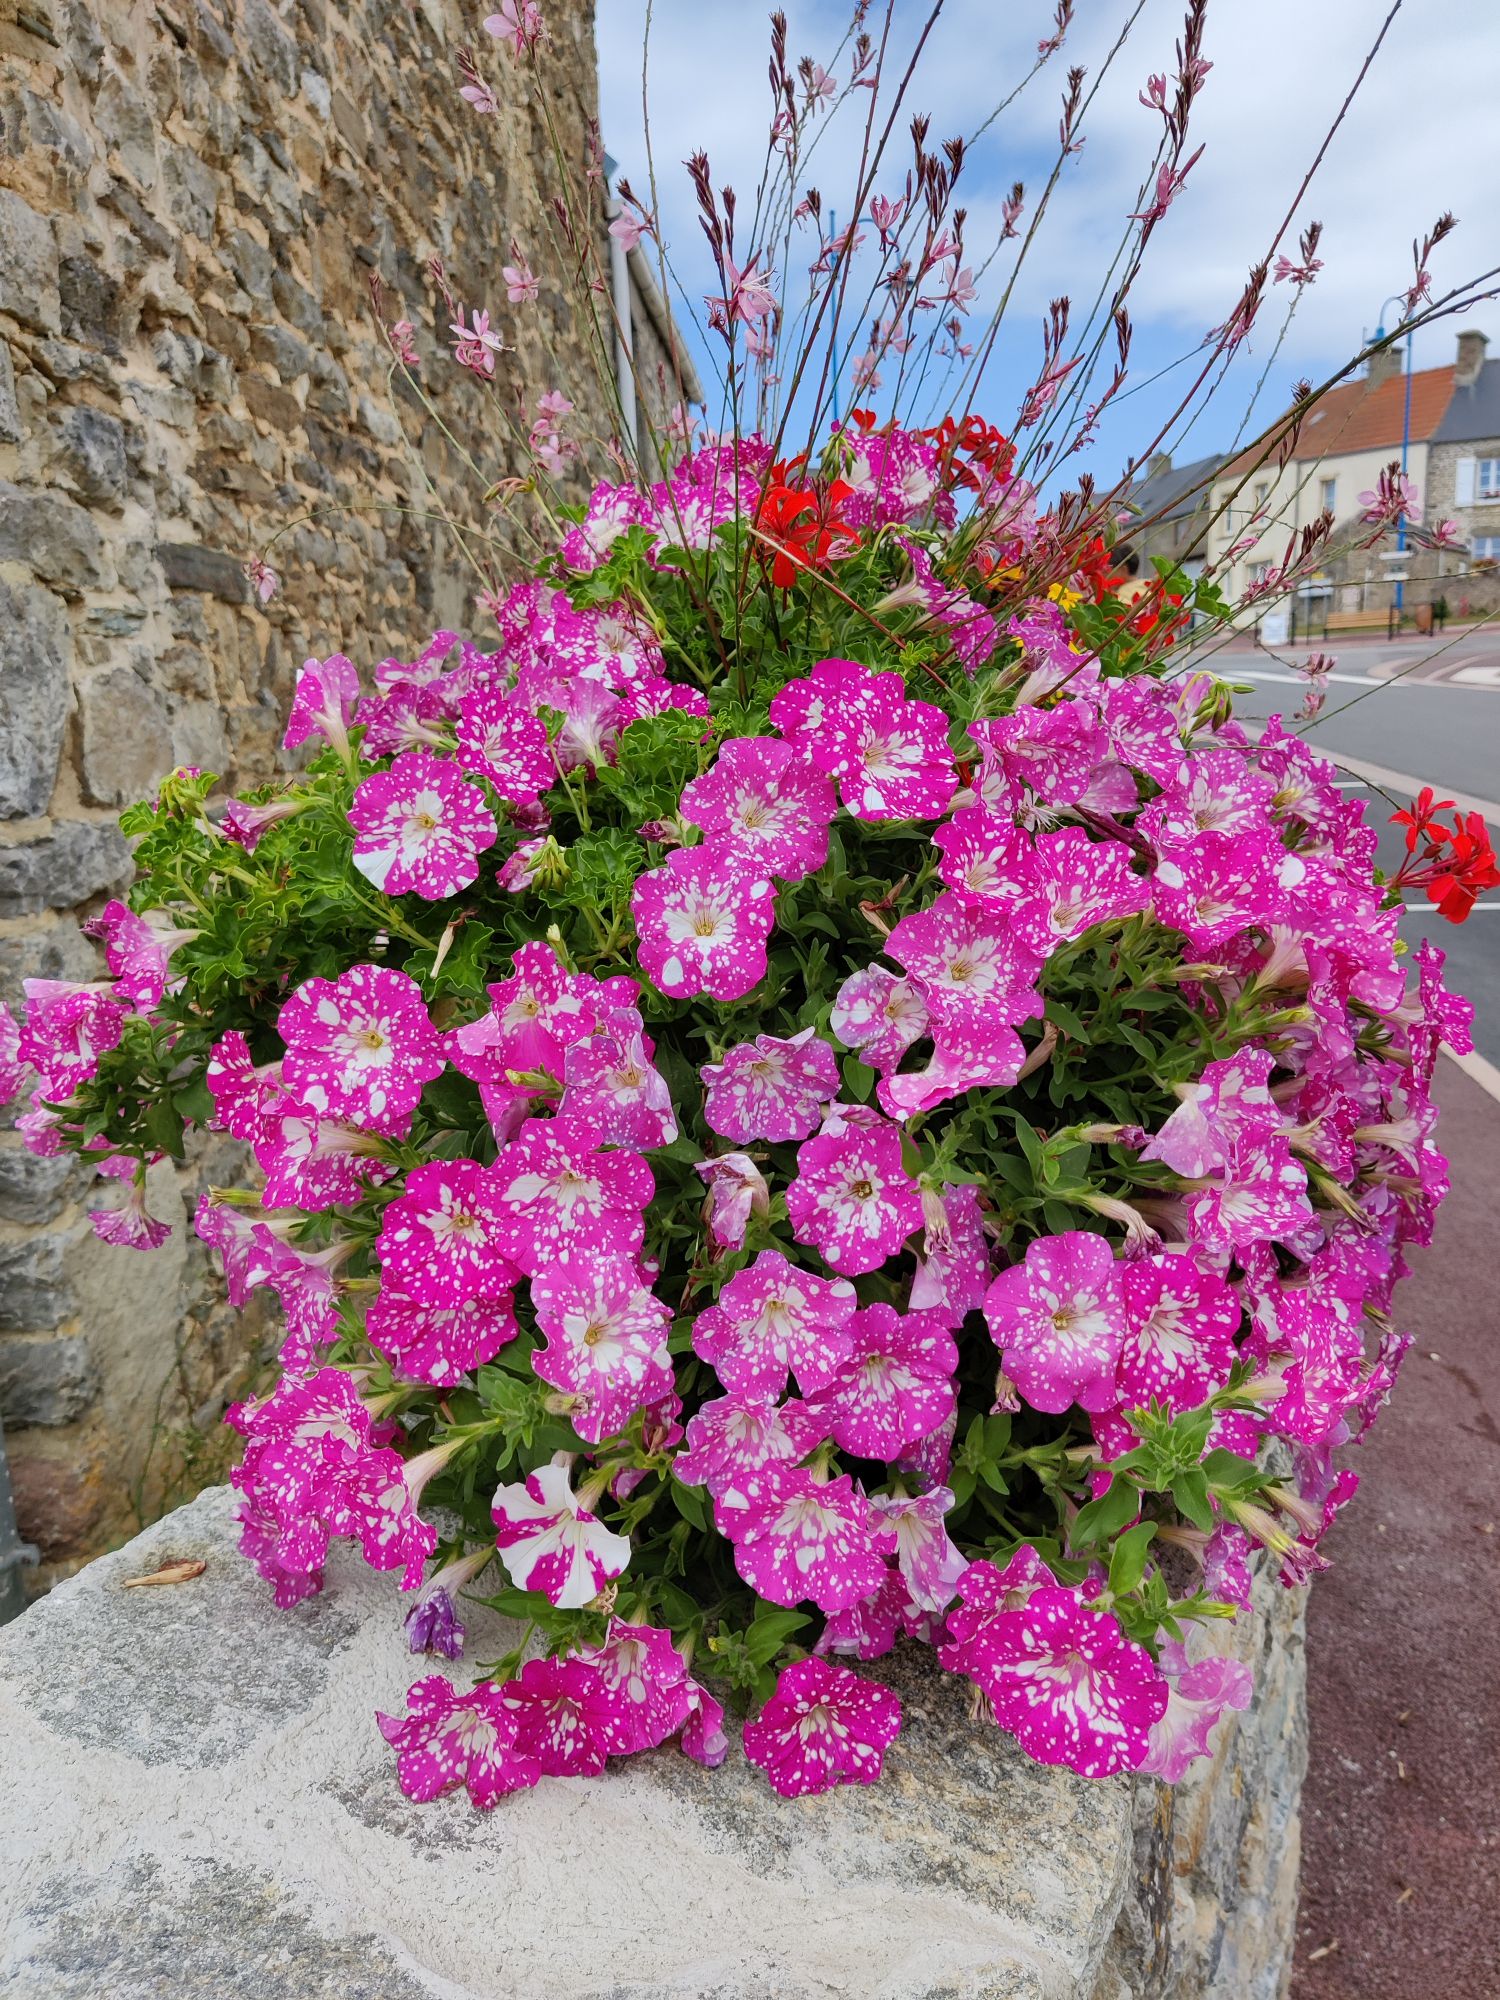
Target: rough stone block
[125, 740]
[28, 264]
[36, 650]
[34, 1189]
[46, 1382]
[12, 430]
[76, 860]
[966, 1874]
[54, 536]
[187, 566]
[91, 452]
[90, 303]
[34, 1290]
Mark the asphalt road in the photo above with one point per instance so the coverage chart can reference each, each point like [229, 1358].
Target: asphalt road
[1416, 712]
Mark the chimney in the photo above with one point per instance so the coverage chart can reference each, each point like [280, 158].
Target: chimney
[1388, 361]
[1161, 461]
[1471, 346]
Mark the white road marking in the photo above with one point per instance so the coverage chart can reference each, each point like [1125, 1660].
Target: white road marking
[1406, 786]
[1477, 676]
[1479, 1070]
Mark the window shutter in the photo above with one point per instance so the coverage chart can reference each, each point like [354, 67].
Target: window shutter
[1463, 483]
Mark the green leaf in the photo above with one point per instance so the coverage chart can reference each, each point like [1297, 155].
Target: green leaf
[1127, 1562]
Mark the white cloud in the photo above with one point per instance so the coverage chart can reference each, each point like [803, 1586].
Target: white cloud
[1406, 150]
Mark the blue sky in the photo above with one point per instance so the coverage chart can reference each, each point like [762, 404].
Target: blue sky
[1413, 143]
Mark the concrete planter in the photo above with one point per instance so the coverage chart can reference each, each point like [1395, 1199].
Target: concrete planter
[199, 1805]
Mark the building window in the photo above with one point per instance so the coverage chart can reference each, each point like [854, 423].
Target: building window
[1485, 548]
[1327, 494]
[1487, 479]
[1263, 488]
[1259, 571]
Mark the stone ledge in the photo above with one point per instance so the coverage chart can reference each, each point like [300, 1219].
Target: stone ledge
[201, 1807]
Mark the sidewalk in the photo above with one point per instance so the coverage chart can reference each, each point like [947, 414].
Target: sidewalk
[1401, 1813]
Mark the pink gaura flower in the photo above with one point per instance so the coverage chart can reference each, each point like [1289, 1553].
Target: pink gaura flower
[419, 828]
[1059, 1322]
[68, 1027]
[975, 970]
[767, 800]
[614, 1091]
[797, 1537]
[521, 286]
[1180, 1327]
[440, 1239]
[499, 740]
[138, 951]
[853, 1199]
[737, 1189]
[770, 1088]
[549, 1542]
[360, 1048]
[824, 1726]
[888, 754]
[1061, 1677]
[736, 1435]
[606, 1336]
[327, 693]
[447, 1739]
[1199, 1694]
[880, 1015]
[896, 1387]
[438, 1345]
[519, 24]
[771, 1318]
[703, 919]
[556, 1195]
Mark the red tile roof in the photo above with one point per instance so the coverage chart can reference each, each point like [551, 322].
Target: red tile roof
[1359, 417]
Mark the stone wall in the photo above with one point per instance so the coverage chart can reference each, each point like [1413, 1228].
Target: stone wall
[194, 196]
[199, 1804]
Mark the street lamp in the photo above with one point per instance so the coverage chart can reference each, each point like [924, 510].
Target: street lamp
[1405, 448]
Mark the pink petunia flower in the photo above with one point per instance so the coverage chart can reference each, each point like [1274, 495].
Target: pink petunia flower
[447, 1739]
[68, 1027]
[879, 1015]
[549, 1542]
[953, 1273]
[327, 693]
[824, 1726]
[606, 1339]
[767, 800]
[853, 1199]
[740, 1433]
[645, 1680]
[438, 1345]
[896, 1386]
[1078, 882]
[499, 740]
[797, 1536]
[1059, 1322]
[1180, 1327]
[737, 1190]
[360, 1048]
[557, 1195]
[888, 754]
[613, 1089]
[703, 919]
[770, 1088]
[130, 1227]
[1199, 1694]
[419, 828]
[1061, 1677]
[771, 1318]
[931, 1567]
[563, 1712]
[138, 951]
[440, 1239]
[976, 972]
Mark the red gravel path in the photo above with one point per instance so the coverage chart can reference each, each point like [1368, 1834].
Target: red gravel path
[1401, 1813]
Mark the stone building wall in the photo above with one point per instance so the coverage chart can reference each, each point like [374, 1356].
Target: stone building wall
[194, 196]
